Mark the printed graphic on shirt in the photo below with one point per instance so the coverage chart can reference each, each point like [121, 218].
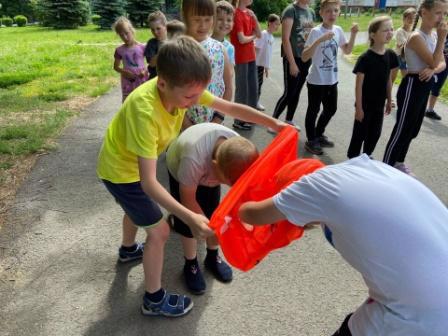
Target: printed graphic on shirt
[303, 30]
[329, 50]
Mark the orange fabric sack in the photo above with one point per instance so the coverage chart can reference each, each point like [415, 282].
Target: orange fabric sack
[245, 245]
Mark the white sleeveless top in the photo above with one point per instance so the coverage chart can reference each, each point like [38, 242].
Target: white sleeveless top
[414, 62]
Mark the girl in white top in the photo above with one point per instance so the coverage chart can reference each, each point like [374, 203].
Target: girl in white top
[322, 46]
[424, 57]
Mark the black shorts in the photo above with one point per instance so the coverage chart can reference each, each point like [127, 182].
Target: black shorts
[140, 208]
[208, 199]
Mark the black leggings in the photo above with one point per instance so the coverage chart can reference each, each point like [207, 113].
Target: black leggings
[207, 197]
[367, 132]
[344, 329]
[293, 86]
[327, 95]
[412, 97]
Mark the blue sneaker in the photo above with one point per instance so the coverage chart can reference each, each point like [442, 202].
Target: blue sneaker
[194, 280]
[125, 256]
[219, 268]
[172, 305]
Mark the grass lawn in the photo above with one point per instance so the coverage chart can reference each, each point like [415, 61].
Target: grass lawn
[47, 76]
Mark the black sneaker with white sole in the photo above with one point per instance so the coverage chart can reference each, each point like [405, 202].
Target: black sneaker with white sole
[324, 142]
[432, 115]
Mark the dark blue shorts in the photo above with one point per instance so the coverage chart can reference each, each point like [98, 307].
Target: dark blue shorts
[141, 209]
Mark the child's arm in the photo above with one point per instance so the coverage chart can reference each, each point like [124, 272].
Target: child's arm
[359, 112]
[246, 113]
[309, 50]
[348, 47]
[188, 198]
[126, 73]
[388, 96]
[151, 186]
[417, 44]
[260, 213]
[287, 24]
[257, 29]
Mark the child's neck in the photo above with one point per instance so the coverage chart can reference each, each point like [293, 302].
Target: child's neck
[408, 28]
[218, 37]
[327, 25]
[130, 44]
[165, 102]
[379, 48]
[427, 29]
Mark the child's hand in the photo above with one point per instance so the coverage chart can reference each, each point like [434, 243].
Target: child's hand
[294, 70]
[327, 36]
[280, 125]
[426, 74]
[199, 226]
[442, 30]
[143, 73]
[128, 74]
[359, 114]
[266, 72]
[388, 108]
[354, 29]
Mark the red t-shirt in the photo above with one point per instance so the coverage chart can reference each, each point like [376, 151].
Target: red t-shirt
[243, 23]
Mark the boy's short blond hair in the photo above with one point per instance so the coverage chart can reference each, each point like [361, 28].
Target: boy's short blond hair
[325, 3]
[225, 7]
[182, 61]
[175, 28]
[234, 156]
[156, 16]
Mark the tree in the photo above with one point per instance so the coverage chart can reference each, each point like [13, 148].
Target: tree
[13, 8]
[109, 10]
[263, 8]
[64, 14]
[138, 10]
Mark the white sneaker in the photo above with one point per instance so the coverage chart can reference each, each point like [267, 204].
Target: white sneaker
[260, 107]
[272, 131]
[289, 122]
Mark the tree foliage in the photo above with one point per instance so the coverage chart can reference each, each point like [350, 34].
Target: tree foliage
[263, 8]
[138, 10]
[13, 8]
[64, 14]
[109, 11]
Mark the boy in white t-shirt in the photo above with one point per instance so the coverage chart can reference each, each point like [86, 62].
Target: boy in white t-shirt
[322, 47]
[389, 227]
[202, 158]
[263, 51]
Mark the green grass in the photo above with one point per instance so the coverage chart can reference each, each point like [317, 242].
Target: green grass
[39, 69]
[364, 19]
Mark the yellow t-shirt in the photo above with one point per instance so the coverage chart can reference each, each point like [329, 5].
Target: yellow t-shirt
[142, 127]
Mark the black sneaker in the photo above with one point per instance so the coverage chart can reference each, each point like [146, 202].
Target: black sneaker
[219, 268]
[324, 142]
[194, 279]
[314, 147]
[126, 256]
[432, 115]
[241, 125]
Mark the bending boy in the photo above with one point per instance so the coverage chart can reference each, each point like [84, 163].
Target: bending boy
[389, 227]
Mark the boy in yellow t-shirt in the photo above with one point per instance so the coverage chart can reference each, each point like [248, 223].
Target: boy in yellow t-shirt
[149, 119]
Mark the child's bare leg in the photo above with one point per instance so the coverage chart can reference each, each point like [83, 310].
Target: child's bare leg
[212, 243]
[190, 246]
[129, 231]
[153, 255]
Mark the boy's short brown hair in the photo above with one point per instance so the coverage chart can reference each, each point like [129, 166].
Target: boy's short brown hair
[197, 7]
[273, 18]
[225, 7]
[234, 156]
[182, 61]
[174, 28]
[325, 3]
[156, 16]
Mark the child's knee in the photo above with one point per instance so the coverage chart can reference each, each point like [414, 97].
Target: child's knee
[158, 235]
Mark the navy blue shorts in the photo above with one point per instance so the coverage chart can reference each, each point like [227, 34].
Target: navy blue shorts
[141, 209]
[437, 85]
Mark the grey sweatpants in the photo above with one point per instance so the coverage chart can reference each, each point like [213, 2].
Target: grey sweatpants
[246, 84]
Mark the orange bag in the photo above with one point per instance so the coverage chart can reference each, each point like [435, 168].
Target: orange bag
[245, 245]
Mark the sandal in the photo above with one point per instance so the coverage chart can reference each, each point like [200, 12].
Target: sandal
[172, 305]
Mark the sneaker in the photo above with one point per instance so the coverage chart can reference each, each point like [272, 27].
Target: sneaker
[194, 279]
[290, 122]
[432, 115]
[126, 256]
[219, 268]
[324, 142]
[260, 107]
[314, 147]
[271, 130]
[241, 125]
[401, 166]
[172, 305]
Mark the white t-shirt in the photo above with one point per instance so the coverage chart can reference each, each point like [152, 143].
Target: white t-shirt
[401, 36]
[393, 230]
[324, 67]
[189, 157]
[263, 49]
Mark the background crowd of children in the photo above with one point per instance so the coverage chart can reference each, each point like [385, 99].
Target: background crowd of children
[157, 110]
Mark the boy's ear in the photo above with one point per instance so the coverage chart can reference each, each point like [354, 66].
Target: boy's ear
[161, 84]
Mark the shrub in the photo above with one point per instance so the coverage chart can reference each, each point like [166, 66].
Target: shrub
[7, 21]
[20, 20]
[96, 19]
